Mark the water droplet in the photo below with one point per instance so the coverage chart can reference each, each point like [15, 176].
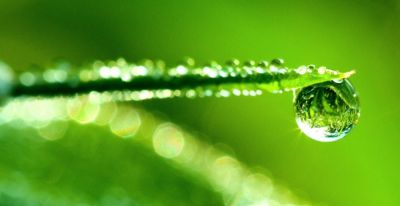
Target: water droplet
[190, 93]
[27, 79]
[263, 64]
[311, 66]
[189, 62]
[6, 80]
[224, 72]
[327, 111]
[278, 62]
[249, 63]
[233, 62]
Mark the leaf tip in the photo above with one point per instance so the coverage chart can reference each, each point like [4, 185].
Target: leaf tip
[348, 74]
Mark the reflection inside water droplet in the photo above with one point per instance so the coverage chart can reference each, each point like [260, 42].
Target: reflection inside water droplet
[327, 111]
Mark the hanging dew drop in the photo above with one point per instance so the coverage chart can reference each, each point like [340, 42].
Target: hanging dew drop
[327, 111]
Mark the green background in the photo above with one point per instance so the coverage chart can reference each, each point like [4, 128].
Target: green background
[361, 169]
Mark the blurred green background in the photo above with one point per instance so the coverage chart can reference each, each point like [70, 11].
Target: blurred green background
[361, 169]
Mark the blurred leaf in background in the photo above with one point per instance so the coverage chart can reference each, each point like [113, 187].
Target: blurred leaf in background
[361, 169]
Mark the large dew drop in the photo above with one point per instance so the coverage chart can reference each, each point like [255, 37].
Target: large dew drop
[327, 111]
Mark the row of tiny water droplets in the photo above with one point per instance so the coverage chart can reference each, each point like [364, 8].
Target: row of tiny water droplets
[186, 79]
